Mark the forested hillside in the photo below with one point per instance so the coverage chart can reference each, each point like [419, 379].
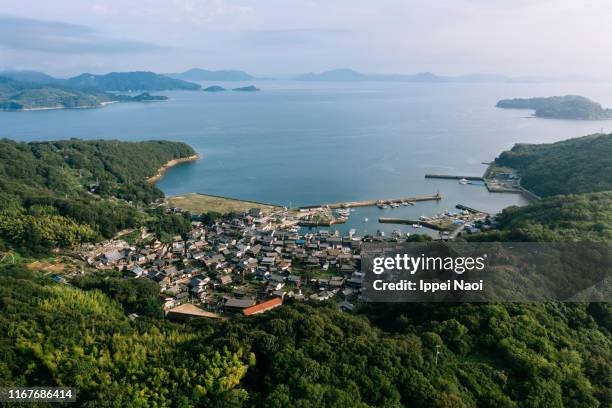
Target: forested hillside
[59, 335]
[573, 166]
[16, 95]
[513, 355]
[21, 91]
[129, 81]
[576, 217]
[59, 193]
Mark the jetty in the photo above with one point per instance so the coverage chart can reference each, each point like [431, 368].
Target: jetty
[369, 203]
[469, 209]
[453, 177]
[427, 224]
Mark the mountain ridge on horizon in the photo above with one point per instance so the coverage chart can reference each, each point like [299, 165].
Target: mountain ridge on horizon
[351, 75]
[111, 81]
[200, 74]
[338, 75]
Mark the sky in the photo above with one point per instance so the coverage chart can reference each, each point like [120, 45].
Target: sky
[551, 38]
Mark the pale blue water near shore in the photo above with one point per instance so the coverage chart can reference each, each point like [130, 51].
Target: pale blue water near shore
[307, 143]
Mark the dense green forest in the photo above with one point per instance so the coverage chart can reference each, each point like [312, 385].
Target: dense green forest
[576, 217]
[579, 165]
[560, 107]
[492, 355]
[63, 193]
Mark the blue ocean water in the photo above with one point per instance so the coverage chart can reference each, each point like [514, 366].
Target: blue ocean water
[296, 143]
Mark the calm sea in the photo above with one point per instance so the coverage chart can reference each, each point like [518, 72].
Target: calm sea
[298, 143]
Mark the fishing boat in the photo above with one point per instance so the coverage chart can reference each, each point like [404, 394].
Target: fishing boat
[394, 205]
[343, 212]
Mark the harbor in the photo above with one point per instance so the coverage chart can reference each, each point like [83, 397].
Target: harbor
[339, 213]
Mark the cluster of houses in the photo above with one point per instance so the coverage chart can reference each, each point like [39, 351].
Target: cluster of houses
[246, 263]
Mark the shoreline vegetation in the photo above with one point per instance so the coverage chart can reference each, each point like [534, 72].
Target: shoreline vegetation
[571, 107]
[46, 108]
[168, 165]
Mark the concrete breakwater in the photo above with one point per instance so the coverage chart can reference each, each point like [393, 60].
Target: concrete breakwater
[452, 177]
[369, 203]
[410, 222]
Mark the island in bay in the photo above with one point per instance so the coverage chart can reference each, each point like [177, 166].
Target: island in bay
[30, 90]
[560, 107]
[214, 88]
[250, 88]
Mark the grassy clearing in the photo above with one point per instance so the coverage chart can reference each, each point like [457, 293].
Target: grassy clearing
[199, 203]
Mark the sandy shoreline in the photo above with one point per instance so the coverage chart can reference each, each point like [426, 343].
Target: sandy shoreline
[170, 164]
[58, 107]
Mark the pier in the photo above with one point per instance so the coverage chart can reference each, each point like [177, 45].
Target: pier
[369, 203]
[429, 225]
[452, 177]
[466, 208]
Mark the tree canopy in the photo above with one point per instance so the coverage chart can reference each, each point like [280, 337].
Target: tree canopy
[58, 194]
[580, 165]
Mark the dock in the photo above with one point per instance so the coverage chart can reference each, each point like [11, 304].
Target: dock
[429, 225]
[466, 208]
[369, 203]
[453, 177]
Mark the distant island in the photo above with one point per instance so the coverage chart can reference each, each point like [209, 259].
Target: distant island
[24, 96]
[214, 88]
[250, 88]
[349, 75]
[143, 97]
[199, 74]
[129, 81]
[113, 81]
[559, 107]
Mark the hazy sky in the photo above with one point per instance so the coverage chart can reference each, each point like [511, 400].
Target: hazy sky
[273, 37]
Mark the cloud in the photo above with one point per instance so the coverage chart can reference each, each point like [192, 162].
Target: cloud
[296, 36]
[213, 13]
[24, 34]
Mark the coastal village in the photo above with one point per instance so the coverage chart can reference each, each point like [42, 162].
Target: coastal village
[256, 257]
[249, 262]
